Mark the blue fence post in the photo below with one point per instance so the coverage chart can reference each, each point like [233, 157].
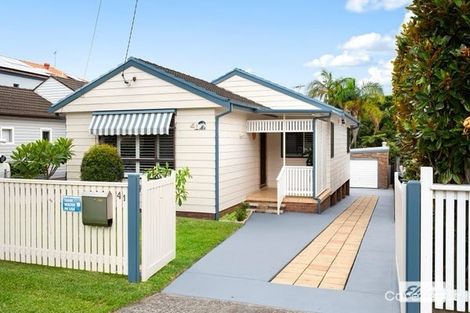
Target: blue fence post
[413, 238]
[133, 227]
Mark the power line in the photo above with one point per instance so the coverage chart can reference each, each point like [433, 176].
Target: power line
[92, 39]
[132, 29]
[129, 40]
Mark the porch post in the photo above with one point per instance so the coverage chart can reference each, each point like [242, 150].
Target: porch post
[283, 140]
[314, 160]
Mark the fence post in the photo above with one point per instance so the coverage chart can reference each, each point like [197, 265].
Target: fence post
[427, 238]
[133, 214]
[413, 238]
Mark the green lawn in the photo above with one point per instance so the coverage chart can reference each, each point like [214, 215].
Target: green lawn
[33, 288]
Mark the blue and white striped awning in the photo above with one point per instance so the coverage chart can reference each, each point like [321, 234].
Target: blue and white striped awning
[130, 123]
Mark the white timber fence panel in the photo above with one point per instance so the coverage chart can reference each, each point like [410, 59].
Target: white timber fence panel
[158, 224]
[35, 229]
[444, 244]
[400, 233]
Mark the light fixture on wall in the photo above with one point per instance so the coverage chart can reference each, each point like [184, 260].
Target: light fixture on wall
[201, 125]
[253, 136]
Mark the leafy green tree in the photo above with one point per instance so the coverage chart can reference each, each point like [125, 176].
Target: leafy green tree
[431, 85]
[182, 176]
[41, 158]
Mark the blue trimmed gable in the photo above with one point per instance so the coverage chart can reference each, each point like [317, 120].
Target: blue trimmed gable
[162, 74]
[289, 92]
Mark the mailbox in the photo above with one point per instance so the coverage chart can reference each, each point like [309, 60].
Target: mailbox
[97, 209]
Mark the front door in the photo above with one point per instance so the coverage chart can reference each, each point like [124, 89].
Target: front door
[262, 159]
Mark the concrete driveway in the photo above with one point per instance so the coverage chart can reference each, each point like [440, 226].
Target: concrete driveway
[240, 269]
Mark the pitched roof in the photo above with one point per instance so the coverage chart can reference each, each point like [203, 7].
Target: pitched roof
[206, 85]
[22, 102]
[284, 90]
[71, 83]
[51, 70]
[195, 85]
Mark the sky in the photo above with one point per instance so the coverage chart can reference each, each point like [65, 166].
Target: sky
[287, 42]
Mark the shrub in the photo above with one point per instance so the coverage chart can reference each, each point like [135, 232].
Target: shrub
[182, 176]
[102, 163]
[431, 89]
[41, 158]
[241, 212]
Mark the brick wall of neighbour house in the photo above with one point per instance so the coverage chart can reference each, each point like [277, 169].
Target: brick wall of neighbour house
[382, 158]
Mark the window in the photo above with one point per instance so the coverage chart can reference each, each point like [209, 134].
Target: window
[46, 134]
[332, 140]
[348, 141]
[141, 153]
[7, 135]
[297, 144]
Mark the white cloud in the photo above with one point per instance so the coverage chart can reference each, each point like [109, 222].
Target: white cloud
[345, 59]
[369, 5]
[380, 73]
[370, 42]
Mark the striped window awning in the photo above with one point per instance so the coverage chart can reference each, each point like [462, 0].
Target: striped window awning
[130, 123]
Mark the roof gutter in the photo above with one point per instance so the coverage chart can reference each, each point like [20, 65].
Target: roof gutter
[217, 160]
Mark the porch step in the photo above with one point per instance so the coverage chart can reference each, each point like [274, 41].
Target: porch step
[266, 207]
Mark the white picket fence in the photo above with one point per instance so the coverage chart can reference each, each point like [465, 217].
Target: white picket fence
[158, 224]
[294, 181]
[400, 233]
[444, 243]
[34, 229]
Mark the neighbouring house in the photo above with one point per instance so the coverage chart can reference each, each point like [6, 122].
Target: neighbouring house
[243, 138]
[26, 93]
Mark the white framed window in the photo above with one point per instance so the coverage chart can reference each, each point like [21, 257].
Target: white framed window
[7, 135]
[46, 134]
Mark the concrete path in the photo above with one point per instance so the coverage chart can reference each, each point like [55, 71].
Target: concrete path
[162, 303]
[240, 269]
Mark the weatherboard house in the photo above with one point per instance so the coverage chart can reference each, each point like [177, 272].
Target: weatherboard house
[244, 138]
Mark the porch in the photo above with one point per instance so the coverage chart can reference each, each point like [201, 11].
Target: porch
[294, 161]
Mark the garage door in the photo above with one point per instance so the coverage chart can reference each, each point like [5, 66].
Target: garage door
[364, 173]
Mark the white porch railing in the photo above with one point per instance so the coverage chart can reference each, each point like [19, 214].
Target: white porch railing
[276, 126]
[294, 181]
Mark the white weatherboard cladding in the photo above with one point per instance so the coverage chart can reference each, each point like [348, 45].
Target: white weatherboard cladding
[193, 148]
[239, 160]
[52, 90]
[339, 165]
[29, 129]
[196, 150]
[7, 79]
[77, 129]
[364, 173]
[147, 92]
[263, 95]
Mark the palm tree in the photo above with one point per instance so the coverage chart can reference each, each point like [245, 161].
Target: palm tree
[324, 88]
[362, 102]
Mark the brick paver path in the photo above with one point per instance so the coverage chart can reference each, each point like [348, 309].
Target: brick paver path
[327, 261]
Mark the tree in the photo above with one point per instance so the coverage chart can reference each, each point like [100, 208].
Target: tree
[42, 158]
[363, 102]
[431, 86]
